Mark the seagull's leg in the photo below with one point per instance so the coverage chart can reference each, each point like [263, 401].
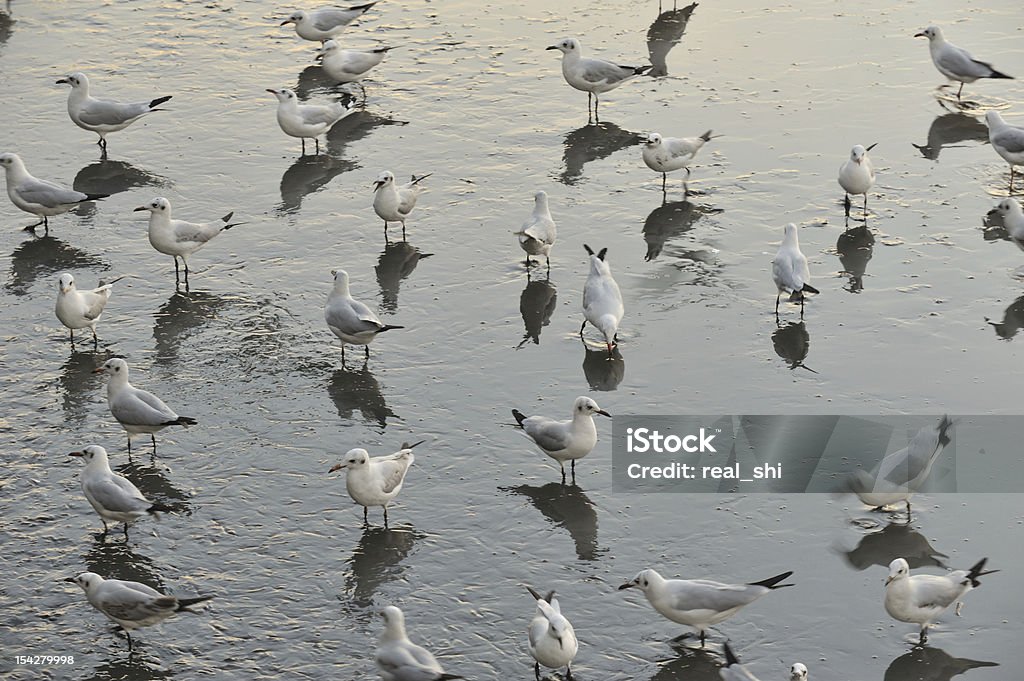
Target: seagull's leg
[303, 145]
[366, 518]
[95, 340]
[403, 230]
[317, 140]
[581, 327]
[126, 533]
[129, 444]
[703, 635]
[536, 670]
[846, 204]
[343, 352]
[152, 436]
[1011, 179]
[572, 466]
[549, 264]
[924, 635]
[802, 297]
[959, 91]
[366, 350]
[664, 179]
[562, 464]
[363, 89]
[568, 672]
[777, 296]
[105, 528]
[865, 205]
[72, 337]
[177, 272]
[597, 102]
[129, 637]
[385, 517]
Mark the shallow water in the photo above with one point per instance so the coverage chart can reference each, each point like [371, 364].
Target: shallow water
[918, 314]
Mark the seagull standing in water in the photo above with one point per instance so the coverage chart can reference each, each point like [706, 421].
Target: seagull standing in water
[323, 24]
[79, 309]
[1007, 140]
[602, 300]
[399, 659]
[42, 198]
[350, 320]
[564, 440]
[103, 116]
[790, 272]
[665, 154]
[552, 641]
[113, 497]
[857, 176]
[309, 120]
[537, 235]
[392, 203]
[375, 481]
[954, 62]
[593, 76]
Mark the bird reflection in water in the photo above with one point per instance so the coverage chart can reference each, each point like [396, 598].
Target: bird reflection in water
[895, 540]
[355, 390]
[569, 507]
[855, 247]
[78, 380]
[45, 257]
[180, 317]
[6, 23]
[536, 305]
[671, 220]
[1013, 320]
[396, 262]
[691, 664]
[603, 372]
[115, 559]
[593, 143]
[134, 667]
[112, 177]
[376, 560]
[948, 130]
[664, 34]
[152, 481]
[792, 343]
[924, 663]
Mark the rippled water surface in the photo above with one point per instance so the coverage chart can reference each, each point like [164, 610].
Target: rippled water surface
[918, 314]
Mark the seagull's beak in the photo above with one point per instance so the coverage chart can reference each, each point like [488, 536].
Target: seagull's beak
[70, 579]
[992, 212]
[377, 185]
[887, 580]
[273, 92]
[336, 467]
[63, 81]
[76, 454]
[921, 35]
[602, 412]
[98, 370]
[627, 585]
[551, 47]
[287, 21]
[136, 210]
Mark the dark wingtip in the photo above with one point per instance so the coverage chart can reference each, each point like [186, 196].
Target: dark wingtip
[978, 570]
[706, 136]
[158, 101]
[406, 445]
[520, 417]
[604, 251]
[810, 289]
[158, 508]
[96, 197]
[773, 582]
[590, 250]
[730, 657]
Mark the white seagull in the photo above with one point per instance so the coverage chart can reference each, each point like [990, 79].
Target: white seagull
[309, 120]
[1007, 140]
[733, 670]
[178, 238]
[790, 271]
[537, 235]
[665, 154]
[593, 76]
[112, 496]
[131, 604]
[564, 440]
[1013, 220]
[349, 66]
[798, 672]
[399, 659]
[602, 300]
[393, 203]
[857, 176]
[350, 320]
[324, 24]
[136, 410]
[899, 475]
[552, 641]
[921, 599]
[78, 309]
[42, 198]
[954, 62]
[375, 481]
[103, 116]
[700, 603]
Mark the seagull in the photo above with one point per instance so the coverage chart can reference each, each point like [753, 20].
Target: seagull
[78, 309]
[602, 300]
[552, 641]
[921, 599]
[112, 496]
[375, 481]
[349, 66]
[1013, 220]
[856, 176]
[733, 670]
[131, 604]
[178, 238]
[593, 76]
[790, 271]
[665, 154]
[798, 672]
[399, 659]
[136, 410]
[324, 24]
[900, 474]
[103, 116]
[308, 120]
[350, 320]
[39, 197]
[393, 203]
[954, 62]
[1006, 139]
[564, 440]
[700, 603]
[537, 235]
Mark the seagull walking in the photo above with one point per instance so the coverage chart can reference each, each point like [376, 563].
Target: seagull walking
[552, 641]
[593, 76]
[602, 300]
[42, 198]
[349, 66]
[375, 481]
[350, 320]
[392, 203]
[665, 154]
[921, 599]
[790, 271]
[78, 309]
[131, 604]
[178, 238]
[323, 24]
[138, 411]
[112, 496]
[954, 62]
[399, 659]
[308, 120]
[700, 603]
[103, 116]
[564, 440]
[1006, 139]
[537, 235]
[857, 176]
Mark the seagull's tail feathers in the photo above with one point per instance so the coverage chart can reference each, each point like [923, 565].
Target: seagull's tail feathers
[157, 102]
[520, 416]
[388, 327]
[158, 508]
[641, 70]
[706, 136]
[999, 74]
[773, 582]
[449, 676]
[978, 571]
[809, 289]
[183, 603]
[181, 421]
[365, 7]
[95, 197]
